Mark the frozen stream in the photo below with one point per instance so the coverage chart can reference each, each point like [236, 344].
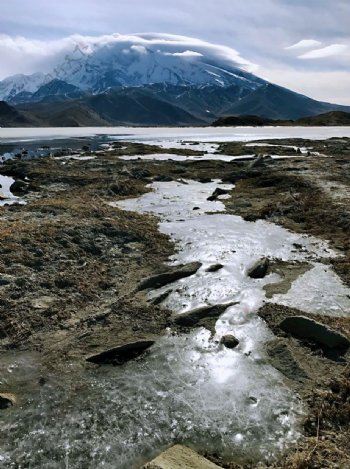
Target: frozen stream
[189, 388]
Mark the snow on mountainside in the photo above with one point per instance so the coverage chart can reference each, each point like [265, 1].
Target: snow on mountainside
[98, 64]
[12, 86]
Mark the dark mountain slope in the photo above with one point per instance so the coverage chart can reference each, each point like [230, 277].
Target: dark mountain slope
[137, 106]
[10, 117]
[130, 106]
[56, 89]
[275, 102]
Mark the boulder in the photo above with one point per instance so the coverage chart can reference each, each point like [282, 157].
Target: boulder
[302, 327]
[180, 457]
[19, 187]
[229, 341]
[7, 400]
[121, 354]
[193, 317]
[259, 269]
[171, 275]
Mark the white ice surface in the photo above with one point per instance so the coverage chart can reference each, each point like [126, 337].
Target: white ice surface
[319, 290]
[9, 198]
[205, 157]
[161, 134]
[235, 243]
[169, 156]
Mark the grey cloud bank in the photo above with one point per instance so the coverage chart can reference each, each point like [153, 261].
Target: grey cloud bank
[33, 34]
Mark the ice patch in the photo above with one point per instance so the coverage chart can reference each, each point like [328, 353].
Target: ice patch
[6, 196]
[320, 291]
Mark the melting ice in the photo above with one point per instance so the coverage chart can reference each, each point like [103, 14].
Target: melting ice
[189, 388]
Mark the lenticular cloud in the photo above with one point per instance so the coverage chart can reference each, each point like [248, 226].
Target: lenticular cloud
[22, 55]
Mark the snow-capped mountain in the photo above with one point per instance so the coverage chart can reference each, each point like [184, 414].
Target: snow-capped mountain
[144, 59]
[149, 79]
[18, 84]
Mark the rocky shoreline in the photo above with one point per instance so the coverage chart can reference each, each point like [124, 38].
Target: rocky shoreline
[72, 266]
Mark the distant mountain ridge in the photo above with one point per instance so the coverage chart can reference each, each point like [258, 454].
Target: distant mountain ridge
[333, 118]
[151, 80]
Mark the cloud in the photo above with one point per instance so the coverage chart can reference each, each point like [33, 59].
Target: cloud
[304, 44]
[329, 51]
[21, 55]
[187, 53]
[139, 49]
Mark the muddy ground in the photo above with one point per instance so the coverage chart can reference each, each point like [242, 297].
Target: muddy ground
[70, 264]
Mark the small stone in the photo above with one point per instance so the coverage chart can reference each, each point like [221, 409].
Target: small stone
[229, 341]
[7, 400]
[214, 268]
[218, 191]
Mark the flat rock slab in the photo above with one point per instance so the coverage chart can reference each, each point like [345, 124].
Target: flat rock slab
[180, 457]
[302, 327]
[193, 317]
[171, 275]
[121, 354]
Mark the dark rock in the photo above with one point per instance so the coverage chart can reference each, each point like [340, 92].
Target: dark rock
[162, 178]
[259, 269]
[229, 341]
[218, 191]
[7, 400]
[169, 276]
[159, 299]
[4, 282]
[302, 327]
[204, 180]
[193, 317]
[121, 354]
[140, 174]
[196, 208]
[214, 268]
[19, 187]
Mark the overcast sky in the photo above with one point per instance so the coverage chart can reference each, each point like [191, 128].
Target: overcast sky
[301, 44]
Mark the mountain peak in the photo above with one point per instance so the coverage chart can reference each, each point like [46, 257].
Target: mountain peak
[98, 64]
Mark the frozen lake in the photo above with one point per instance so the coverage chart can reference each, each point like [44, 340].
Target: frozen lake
[204, 134]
